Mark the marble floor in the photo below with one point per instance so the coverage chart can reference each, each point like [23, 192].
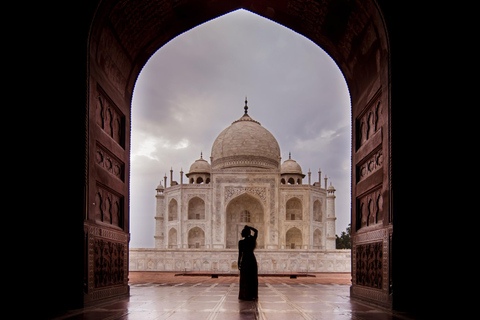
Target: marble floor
[208, 301]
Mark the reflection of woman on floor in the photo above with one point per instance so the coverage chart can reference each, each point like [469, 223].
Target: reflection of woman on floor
[247, 264]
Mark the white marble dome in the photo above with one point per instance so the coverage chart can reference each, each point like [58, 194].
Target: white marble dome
[245, 143]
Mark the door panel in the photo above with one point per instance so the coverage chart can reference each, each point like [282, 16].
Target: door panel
[371, 226]
[106, 221]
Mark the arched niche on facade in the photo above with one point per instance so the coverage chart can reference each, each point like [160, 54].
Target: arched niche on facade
[196, 209]
[293, 239]
[294, 209]
[196, 238]
[317, 239]
[172, 238]
[317, 211]
[172, 210]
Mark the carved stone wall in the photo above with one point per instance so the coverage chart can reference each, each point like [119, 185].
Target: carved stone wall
[369, 270]
[109, 207]
[369, 122]
[109, 117]
[370, 209]
[109, 162]
[107, 267]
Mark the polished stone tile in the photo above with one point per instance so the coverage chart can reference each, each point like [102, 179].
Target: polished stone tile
[218, 301]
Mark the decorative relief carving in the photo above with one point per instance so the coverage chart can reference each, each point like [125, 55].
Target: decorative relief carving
[110, 118]
[189, 196]
[232, 192]
[109, 162]
[369, 265]
[108, 207]
[370, 121]
[371, 236]
[109, 263]
[372, 164]
[245, 161]
[369, 209]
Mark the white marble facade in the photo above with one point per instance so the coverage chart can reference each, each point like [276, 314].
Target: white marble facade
[245, 182]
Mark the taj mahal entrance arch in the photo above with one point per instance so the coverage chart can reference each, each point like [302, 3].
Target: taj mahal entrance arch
[124, 34]
[244, 210]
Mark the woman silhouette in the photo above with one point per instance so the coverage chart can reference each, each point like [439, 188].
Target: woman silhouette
[247, 264]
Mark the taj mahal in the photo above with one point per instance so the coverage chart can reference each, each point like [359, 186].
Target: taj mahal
[199, 219]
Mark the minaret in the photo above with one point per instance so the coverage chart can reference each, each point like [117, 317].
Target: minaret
[159, 217]
[330, 243]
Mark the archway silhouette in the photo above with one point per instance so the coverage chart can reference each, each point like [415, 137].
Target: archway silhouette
[124, 35]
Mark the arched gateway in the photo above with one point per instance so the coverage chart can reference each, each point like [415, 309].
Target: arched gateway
[241, 211]
[123, 35]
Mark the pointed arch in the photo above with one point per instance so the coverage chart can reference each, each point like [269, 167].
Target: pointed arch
[123, 35]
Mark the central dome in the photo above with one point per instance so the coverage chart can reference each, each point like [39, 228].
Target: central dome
[245, 143]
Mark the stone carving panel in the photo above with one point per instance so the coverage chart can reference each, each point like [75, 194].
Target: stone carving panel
[108, 207]
[109, 118]
[369, 265]
[232, 192]
[369, 121]
[372, 164]
[245, 161]
[107, 161]
[109, 263]
[369, 209]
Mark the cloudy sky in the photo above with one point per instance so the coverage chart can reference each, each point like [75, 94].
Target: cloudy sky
[195, 86]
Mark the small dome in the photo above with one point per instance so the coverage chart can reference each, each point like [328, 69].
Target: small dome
[160, 187]
[199, 166]
[331, 188]
[291, 167]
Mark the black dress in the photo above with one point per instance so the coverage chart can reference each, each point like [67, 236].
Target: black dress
[248, 270]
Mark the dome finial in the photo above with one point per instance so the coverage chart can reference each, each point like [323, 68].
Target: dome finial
[201, 154]
[289, 156]
[246, 107]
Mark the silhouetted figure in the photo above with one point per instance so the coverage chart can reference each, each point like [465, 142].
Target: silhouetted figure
[247, 264]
